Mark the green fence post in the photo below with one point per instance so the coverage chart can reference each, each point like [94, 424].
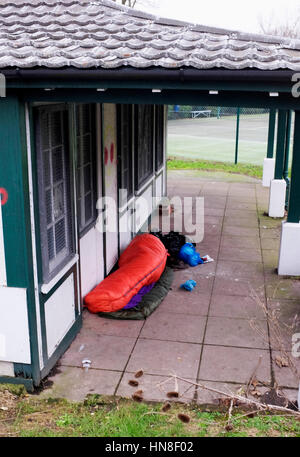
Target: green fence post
[271, 133]
[280, 146]
[237, 135]
[294, 201]
[219, 113]
[286, 156]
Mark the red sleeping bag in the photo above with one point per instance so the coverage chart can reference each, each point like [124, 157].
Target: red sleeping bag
[141, 264]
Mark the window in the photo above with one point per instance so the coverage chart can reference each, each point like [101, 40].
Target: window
[125, 162]
[86, 167]
[159, 136]
[143, 143]
[57, 243]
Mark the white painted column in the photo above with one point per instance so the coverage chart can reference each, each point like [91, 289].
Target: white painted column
[289, 253]
[268, 172]
[277, 198]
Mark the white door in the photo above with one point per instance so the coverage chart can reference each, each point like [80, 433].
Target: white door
[91, 240]
[110, 183]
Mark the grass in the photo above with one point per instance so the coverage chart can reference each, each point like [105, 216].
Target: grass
[100, 416]
[240, 168]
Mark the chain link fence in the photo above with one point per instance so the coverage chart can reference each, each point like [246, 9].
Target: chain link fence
[176, 112]
[226, 134]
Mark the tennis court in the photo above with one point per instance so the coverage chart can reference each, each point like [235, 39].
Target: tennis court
[213, 138]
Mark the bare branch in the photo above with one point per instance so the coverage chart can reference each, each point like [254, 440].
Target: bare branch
[243, 400]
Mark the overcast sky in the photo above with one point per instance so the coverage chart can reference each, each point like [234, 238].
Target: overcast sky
[233, 14]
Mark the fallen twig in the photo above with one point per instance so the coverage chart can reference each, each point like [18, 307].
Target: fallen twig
[243, 400]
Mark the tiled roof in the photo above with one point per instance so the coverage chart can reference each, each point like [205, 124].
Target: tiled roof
[101, 34]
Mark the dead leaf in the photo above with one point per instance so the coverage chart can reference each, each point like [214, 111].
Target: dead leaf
[228, 427]
[166, 407]
[256, 393]
[137, 397]
[281, 361]
[138, 374]
[173, 394]
[184, 418]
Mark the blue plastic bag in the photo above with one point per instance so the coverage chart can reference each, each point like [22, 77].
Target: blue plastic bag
[188, 285]
[189, 255]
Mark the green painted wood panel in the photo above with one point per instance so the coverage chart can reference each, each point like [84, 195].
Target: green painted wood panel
[280, 146]
[271, 133]
[166, 97]
[11, 179]
[294, 201]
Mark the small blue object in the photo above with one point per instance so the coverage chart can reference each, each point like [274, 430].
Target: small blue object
[189, 255]
[189, 285]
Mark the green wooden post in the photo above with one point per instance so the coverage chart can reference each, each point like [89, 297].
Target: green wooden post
[294, 201]
[271, 133]
[280, 147]
[286, 155]
[237, 135]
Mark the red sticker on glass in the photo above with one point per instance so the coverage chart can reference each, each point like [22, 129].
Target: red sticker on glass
[112, 152]
[3, 196]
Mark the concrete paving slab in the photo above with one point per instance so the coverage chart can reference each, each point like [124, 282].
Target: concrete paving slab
[75, 384]
[94, 324]
[235, 306]
[228, 252]
[239, 286]
[232, 364]
[174, 327]
[237, 269]
[165, 358]
[230, 331]
[241, 231]
[286, 376]
[184, 302]
[208, 397]
[241, 242]
[105, 351]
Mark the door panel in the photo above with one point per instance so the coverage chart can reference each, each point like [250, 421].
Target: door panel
[111, 182]
[91, 260]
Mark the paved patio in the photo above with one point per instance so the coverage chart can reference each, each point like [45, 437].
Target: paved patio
[215, 334]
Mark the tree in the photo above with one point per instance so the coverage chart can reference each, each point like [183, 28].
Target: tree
[140, 3]
[285, 27]
[130, 3]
